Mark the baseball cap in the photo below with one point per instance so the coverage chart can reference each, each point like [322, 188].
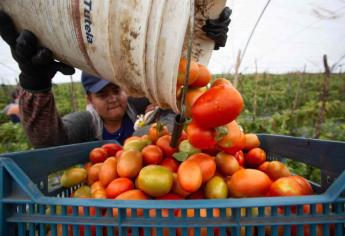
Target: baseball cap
[92, 83]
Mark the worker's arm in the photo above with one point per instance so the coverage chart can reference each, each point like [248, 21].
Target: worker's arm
[40, 119]
[45, 128]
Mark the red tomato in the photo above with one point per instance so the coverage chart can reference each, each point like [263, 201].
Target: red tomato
[206, 163]
[189, 176]
[111, 148]
[170, 163]
[227, 164]
[164, 144]
[152, 154]
[274, 169]
[218, 106]
[182, 70]
[233, 140]
[98, 155]
[249, 183]
[157, 130]
[204, 77]
[108, 171]
[285, 186]
[252, 141]
[255, 157]
[199, 137]
[118, 186]
[93, 173]
[177, 188]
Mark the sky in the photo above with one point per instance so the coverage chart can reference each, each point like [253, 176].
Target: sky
[291, 35]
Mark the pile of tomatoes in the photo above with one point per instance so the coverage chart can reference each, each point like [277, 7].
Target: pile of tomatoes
[214, 158]
[148, 167]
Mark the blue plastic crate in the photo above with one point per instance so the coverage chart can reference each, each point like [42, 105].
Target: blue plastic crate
[25, 197]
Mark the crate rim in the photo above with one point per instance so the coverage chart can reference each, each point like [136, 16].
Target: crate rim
[33, 194]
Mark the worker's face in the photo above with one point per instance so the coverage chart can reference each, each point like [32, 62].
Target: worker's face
[110, 102]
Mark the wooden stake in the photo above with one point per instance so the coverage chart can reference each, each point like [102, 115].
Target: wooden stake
[73, 96]
[270, 82]
[323, 98]
[298, 89]
[255, 90]
[237, 67]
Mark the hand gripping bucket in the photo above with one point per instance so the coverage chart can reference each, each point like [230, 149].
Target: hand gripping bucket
[135, 44]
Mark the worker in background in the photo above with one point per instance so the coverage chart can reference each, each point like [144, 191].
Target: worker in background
[111, 114]
[12, 109]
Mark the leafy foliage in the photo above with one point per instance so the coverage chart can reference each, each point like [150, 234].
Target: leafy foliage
[63, 97]
[12, 138]
[289, 104]
[285, 104]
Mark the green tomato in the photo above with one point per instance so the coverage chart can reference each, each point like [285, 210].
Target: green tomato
[216, 188]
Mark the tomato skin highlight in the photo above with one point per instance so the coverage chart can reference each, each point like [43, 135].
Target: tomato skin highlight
[218, 106]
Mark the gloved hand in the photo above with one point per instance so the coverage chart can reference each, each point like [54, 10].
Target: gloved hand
[36, 63]
[217, 29]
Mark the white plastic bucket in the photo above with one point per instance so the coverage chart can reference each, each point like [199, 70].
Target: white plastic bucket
[136, 44]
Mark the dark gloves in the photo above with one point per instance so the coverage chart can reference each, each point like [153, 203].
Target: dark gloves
[217, 29]
[36, 63]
